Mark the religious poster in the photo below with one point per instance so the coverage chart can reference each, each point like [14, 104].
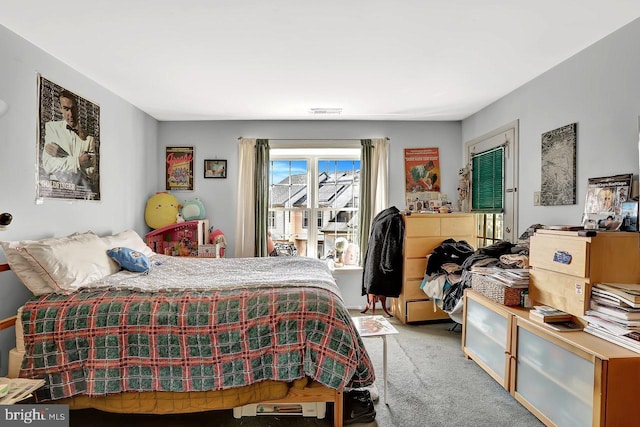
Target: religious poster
[68, 144]
[179, 168]
[422, 178]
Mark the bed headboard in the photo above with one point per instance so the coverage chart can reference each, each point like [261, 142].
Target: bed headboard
[9, 321]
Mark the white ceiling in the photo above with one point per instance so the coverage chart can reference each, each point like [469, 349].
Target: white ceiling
[276, 59]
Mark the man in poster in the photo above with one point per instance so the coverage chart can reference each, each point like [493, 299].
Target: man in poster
[69, 153]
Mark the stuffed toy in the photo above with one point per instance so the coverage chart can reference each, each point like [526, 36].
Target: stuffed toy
[193, 209]
[162, 210]
[217, 238]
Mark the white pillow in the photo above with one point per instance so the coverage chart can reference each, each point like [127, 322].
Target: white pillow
[68, 263]
[128, 239]
[23, 269]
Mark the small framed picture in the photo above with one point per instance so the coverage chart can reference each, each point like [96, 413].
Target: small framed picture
[629, 216]
[215, 168]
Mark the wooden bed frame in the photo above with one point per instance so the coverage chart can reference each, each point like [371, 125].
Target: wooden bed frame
[315, 392]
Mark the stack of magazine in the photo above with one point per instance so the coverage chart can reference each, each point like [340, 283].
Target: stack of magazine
[511, 277]
[614, 314]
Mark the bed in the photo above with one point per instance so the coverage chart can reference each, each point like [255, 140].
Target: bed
[191, 334]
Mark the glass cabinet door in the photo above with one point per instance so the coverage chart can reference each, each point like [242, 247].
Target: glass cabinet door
[556, 381]
[486, 335]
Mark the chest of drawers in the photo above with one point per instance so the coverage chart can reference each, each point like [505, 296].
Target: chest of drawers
[565, 265]
[423, 233]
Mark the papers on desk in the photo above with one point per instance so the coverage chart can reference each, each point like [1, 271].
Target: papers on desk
[369, 326]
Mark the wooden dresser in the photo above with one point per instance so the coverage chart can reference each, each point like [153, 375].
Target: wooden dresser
[423, 233]
[566, 265]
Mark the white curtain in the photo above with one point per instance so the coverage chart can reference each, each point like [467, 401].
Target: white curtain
[374, 194]
[379, 174]
[245, 209]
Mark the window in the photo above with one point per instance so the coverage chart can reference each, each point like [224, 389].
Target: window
[272, 219]
[314, 198]
[487, 194]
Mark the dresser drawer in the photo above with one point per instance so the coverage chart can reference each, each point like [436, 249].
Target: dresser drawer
[424, 310]
[415, 226]
[457, 226]
[411, 290]
[414, 268]
[561, 291]
[420, 247]
[560, 254]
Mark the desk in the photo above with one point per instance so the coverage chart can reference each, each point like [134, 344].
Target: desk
[376, 326]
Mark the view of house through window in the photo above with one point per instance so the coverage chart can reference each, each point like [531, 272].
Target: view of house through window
[313, 199]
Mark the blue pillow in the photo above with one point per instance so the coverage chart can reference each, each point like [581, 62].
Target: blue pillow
[130, 260]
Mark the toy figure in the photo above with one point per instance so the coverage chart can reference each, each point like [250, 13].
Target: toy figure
[463, 189]
[217, 238]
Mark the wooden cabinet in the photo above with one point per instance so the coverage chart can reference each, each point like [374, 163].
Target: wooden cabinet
[564, 378]
[565, 265]
[423, 233]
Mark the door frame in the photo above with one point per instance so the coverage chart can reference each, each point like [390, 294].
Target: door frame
[507, 135]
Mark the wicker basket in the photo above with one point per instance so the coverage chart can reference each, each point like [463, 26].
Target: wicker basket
[495, 290]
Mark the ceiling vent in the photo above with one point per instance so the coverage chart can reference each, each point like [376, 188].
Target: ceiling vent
[320, 111]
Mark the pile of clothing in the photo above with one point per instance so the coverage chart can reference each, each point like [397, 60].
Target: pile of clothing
[448, 269]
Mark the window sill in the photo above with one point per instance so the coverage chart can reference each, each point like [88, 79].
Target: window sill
[345, 268]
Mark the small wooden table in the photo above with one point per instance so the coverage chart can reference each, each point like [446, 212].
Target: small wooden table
[376, 326]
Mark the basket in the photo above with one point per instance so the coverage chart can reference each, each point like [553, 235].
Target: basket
[495, 290]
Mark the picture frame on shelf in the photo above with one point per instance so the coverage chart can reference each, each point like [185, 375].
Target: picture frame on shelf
[215, 168]
[629, 216]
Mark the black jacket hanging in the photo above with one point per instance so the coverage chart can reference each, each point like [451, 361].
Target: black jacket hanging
[383, 260]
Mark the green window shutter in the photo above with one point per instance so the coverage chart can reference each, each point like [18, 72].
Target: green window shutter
[487, 181]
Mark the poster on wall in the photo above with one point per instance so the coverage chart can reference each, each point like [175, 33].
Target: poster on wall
[558, 186]
[68, 144]
[179, 168]
[422, 178]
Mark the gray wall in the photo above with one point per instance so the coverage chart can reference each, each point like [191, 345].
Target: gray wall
[220, 140]
[599, 89]
[128, 163]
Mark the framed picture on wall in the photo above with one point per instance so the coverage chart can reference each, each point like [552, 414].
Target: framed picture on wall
[215, 168]
[179, 168]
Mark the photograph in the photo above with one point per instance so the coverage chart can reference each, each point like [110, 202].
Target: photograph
[68, 144]
[215, 168]
[629, 216]
[179, 168]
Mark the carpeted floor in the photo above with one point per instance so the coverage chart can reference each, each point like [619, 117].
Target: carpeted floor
[431, 384]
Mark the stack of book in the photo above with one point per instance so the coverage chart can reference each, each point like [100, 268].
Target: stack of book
[546, 314]
[614, 314]
[554, 318]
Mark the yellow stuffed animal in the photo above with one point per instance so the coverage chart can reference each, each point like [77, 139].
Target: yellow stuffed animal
[162, 210]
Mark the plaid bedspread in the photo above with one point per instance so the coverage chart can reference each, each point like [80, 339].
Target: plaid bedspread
[97, 342]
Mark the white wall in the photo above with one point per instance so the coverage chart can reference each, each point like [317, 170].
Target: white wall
[220, 140]
[599, 88]
[128, 163]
